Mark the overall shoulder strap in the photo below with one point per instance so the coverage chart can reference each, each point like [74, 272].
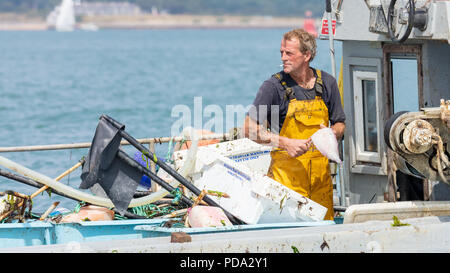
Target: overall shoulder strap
[319, 83]
[289, 93]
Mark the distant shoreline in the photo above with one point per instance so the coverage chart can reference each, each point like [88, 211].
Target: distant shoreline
[163, 22]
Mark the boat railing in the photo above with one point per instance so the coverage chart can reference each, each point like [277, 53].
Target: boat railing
[150, 141]
[82, 145]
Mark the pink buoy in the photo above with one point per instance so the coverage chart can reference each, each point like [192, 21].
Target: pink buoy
[207, 216]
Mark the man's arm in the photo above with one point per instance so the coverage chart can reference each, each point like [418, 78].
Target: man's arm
[336, 111]
[260, 134]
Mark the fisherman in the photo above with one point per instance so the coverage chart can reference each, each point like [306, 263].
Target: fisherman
[302, 99]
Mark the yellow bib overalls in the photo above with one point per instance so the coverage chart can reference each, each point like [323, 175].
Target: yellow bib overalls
[308, 174]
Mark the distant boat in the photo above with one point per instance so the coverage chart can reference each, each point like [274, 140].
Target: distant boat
[65, 21]
[309, 24]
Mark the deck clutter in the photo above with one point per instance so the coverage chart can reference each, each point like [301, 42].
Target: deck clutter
[211, 193]
[208, 184]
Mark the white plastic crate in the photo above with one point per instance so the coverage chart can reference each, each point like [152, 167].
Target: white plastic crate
[254, 197]
[243, 151]
[220, 176]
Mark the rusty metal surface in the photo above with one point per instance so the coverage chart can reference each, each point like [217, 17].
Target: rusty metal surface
[417, 136]
[415, 128]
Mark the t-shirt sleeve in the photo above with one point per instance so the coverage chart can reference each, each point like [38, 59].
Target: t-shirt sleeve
[260, 110]
[335, 110]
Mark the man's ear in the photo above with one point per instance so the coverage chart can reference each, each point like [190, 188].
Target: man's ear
[308, 56]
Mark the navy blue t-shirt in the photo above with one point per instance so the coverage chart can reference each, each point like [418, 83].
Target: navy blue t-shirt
[271, 95]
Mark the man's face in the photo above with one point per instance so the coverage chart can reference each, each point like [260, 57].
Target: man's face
[293, 60]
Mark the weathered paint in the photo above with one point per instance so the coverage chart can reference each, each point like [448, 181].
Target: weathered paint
[363, 50]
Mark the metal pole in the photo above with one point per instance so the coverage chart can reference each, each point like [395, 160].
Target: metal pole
[126, 158]
[167, 168]
[81, 162]
[333, 70]
[30, 182]
[33, 183]
[81, 145]
[330, 37]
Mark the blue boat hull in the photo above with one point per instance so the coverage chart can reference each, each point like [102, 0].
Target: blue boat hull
[44, 233]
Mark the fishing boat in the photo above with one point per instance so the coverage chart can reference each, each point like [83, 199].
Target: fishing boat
[390, 150]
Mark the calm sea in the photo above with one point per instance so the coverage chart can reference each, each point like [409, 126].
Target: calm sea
[54, 86]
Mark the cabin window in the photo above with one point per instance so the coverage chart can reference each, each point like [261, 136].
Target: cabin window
[370, 115]
[367, 132]
[405, 89]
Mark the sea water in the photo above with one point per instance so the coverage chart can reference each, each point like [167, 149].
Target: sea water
[54, 87]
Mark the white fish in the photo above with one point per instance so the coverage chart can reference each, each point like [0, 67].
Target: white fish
[325, 141]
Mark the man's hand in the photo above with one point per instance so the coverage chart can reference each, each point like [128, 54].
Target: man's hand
[295, 147]
[338, 129]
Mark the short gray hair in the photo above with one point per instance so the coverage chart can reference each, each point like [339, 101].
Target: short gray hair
[307, 41]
